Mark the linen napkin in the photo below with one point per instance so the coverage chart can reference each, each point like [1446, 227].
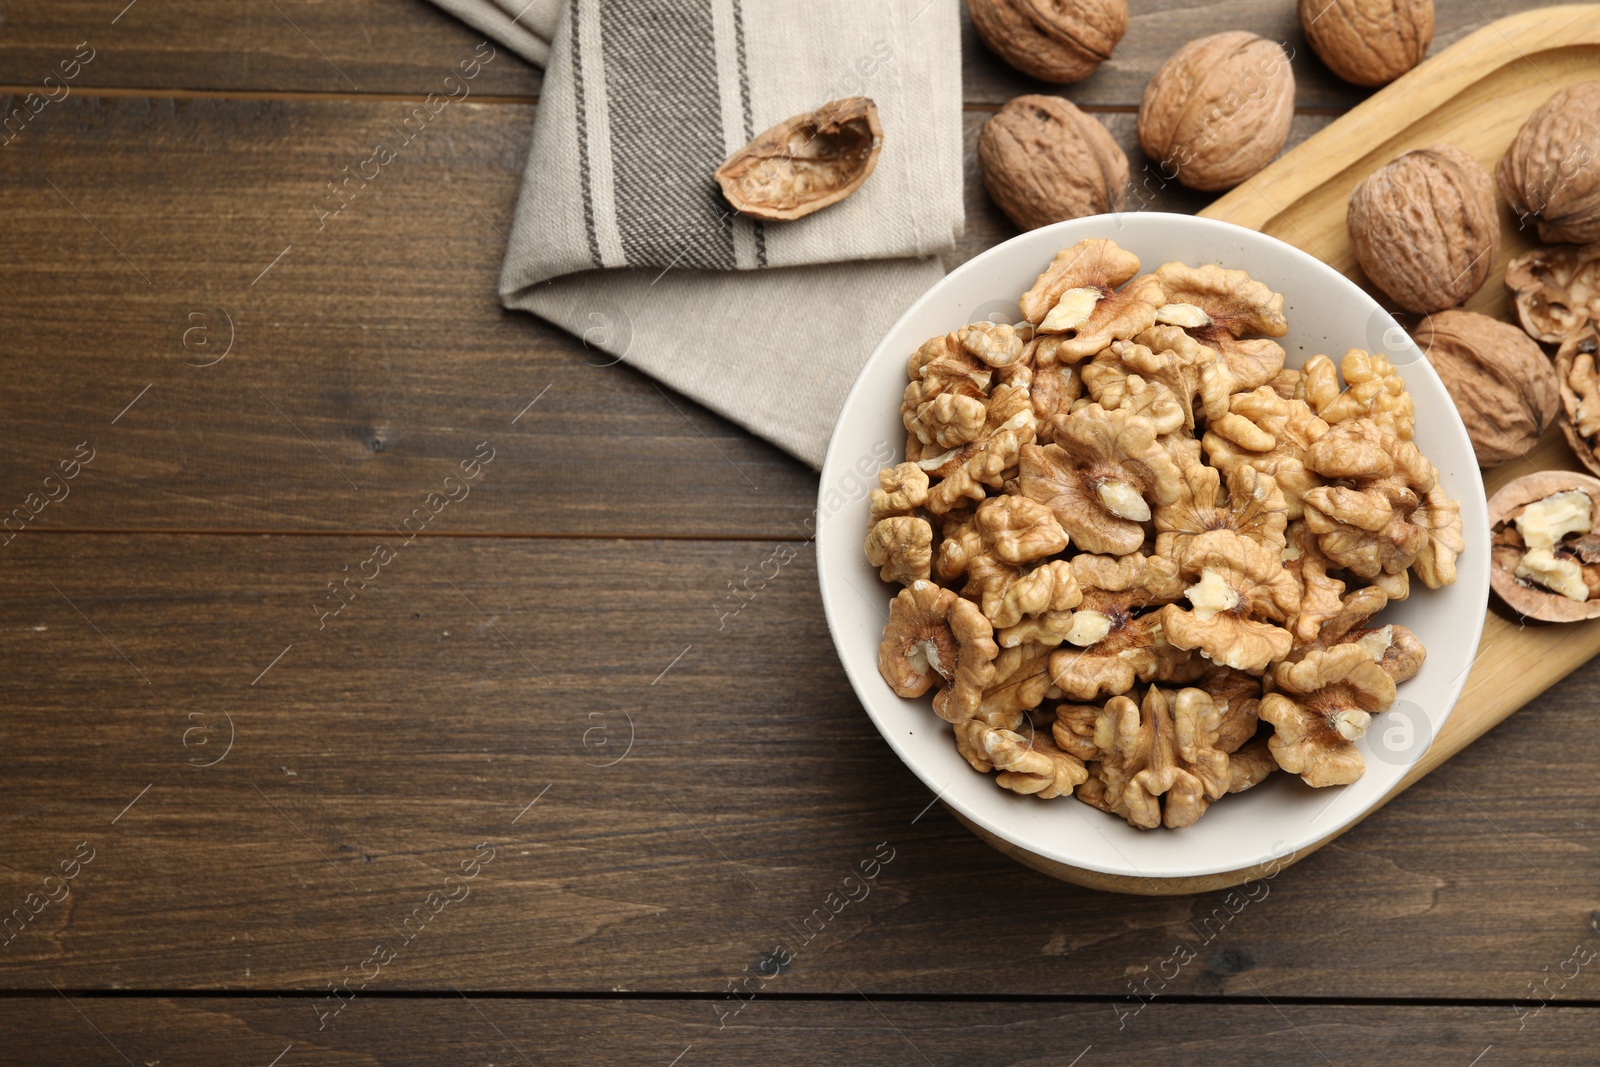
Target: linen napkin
[622, 237]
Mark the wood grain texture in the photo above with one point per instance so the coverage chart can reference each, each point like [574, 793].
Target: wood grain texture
[480, 688]
[474, 676]
[477, 1030]
[369, 351]
[403, 46]
[371, 355]
[365, 46]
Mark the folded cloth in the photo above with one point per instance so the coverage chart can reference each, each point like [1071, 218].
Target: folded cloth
[621, 234]
[525, 28]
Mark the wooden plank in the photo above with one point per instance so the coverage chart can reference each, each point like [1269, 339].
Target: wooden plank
[403, 46]
[376, 335]
[463, 696]
[356, 46]
[1157, 29]
[66, 1029]
[369, 356]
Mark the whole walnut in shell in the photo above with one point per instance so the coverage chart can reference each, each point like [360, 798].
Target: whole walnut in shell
[1549, 174]
[1368, 42]
[1425, 228]
[1053, 40]
[1500, 379]
[1044, 161]
[1218, 110]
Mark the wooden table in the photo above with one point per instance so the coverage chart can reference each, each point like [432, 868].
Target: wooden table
[531, 794]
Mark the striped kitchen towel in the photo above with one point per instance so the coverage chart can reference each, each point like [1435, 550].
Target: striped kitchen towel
[622, 237]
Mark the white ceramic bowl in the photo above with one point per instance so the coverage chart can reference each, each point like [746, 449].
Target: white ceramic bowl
[1280, 818]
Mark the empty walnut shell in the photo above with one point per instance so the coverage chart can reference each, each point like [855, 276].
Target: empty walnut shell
[1500, 379]
[804, 163]
[1578, 373]
[1218, 110]
[1425, 228]
[1506, 548]
[1549, 173]
[1557, 290]
[1053, 40]
[1368, 42]
[1043, 161]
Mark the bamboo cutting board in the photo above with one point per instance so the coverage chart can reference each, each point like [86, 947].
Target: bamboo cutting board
[1475, 95]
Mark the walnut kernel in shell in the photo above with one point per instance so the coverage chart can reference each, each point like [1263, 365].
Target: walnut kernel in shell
[1425, 228]
[1575, 551]
[1044, 161]
[1578, 375]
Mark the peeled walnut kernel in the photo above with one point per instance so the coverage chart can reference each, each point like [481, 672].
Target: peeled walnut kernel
[1425, 228]
[1320, 705]
[918, 649]
[1052, 40]
[1158, 761]
[1229, 312]
[1549, 174]
[804, 163]
[1128, 490]
[901, 546]
[1032, 766]
[1563, 575]
[1211, 594]
[1078, 303]
[1044, 161]
[1544, 522]
[1368, 42]
[1218, 110]
[1501, 381]
[1103, 462]
[1243, 593]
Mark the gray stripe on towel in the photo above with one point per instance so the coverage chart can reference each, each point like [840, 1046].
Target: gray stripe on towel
[666, 133]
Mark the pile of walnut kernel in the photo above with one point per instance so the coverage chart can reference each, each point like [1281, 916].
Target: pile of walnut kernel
[1129, 537]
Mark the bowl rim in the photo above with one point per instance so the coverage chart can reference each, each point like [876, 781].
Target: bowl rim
[826, 522]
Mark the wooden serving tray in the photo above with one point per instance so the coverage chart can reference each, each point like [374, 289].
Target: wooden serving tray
[1475, 95]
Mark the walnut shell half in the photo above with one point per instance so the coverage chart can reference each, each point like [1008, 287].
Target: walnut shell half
[1507, 548]
[1549, 174]
[1578, 373]
[804, 163]
[1218, 110]
[1500, 379]
[1044, 161]
[1425, 228]
[1368, 42]
[1556, 290]
[1053, 40]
